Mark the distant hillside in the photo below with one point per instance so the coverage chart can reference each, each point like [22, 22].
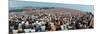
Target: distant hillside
[58, 11]
[34, 8]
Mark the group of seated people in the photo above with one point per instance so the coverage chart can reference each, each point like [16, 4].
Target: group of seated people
[44, 22]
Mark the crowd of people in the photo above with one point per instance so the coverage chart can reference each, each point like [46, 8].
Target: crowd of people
[47, 22]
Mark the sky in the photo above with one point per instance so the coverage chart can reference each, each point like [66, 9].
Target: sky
[83, 2]
[23, 3]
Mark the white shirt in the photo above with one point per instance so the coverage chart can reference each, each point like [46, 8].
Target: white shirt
[27, 30]
[27, 23]
[19, 25]
[43, 27]
[22, 22]
[62, 27]
[15, 31]
[32, 30]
